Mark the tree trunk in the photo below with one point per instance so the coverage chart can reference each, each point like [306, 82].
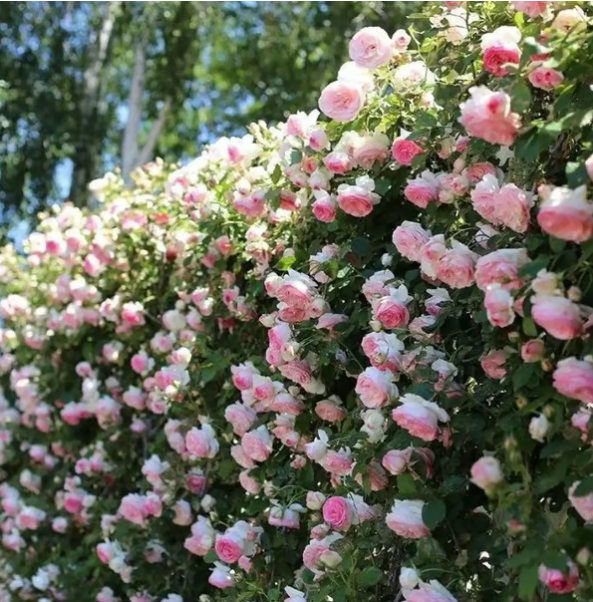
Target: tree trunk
[89, 142]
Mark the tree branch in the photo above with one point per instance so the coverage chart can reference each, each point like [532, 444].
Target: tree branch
[157, 127]
[130, 140]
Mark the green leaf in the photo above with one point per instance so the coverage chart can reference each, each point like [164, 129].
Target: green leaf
[529, 327]
[523, 375]
[369, 576]
[274, 594]
[286, 263]
[527, 582]
[587, 249]
[361, 246]
[576, 174]
[554, 559]
[382, 186]
[533, 267]
[584, 488]
[520, 95]
[433, 513]
[557, 245]
[406, 483]
[211, 557]
[295, 157]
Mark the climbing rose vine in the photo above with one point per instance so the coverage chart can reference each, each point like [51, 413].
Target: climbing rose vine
[346, 356]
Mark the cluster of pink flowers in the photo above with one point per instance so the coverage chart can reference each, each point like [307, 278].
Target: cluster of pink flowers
[218, 331]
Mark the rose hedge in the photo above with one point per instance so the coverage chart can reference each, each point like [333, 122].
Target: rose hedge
[327, 359]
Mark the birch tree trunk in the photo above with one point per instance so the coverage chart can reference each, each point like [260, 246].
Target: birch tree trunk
[89, 141]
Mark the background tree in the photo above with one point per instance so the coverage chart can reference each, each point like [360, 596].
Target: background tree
[88, 86]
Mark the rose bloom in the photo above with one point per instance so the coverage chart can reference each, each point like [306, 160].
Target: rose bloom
[324, 209]
[369, 150]
[456, 267]
[409, 238]
[257, 444]
[487, 115]
[422, 190]
[500, 267]
[337, 513]
[573, 378]
[330, 411]
[475, 173]
[419, 420]
[220, 576]
[390, 312]
[405, 519]
[486, 473]
[338, 162]
[383, 350]
[228, 548]
[499, 306]
[403, 151]
[396, 461]
[532, 8]
[499, 48]
[570, 19]
[241, 417]
[566, 213]
[375, 387]
[557, 581]
[493, 363]
[545, 78]
[338, 463]
[558, 316]
[532, 351]
[371, 47]
[582, 504]
[356, 200]
[341, 101]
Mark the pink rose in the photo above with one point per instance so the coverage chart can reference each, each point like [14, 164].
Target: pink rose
[369, 150]
[558, 316]
[532, 8]
[358, 200]
[202, 443]
[566, 213]
[391, 312]
[396, 461]
[545, 78]
[557, 581]
[513, 207]
[486, 473]
[499, 306]
[422, 190]
[341, 101]
[493, 363]
[312, 554]
[338, 462]
[338, 162]
[418, 420]
[500, 267]
[228, 548]
[330, 411]
[409, 238]
[375, 387]
[243, 375]
[371, 47]
[404, 151]
[573, 378]
[241, 417]
[405, 519]
[498, 55]
[132, 509]
[257, 444]
[582, 504]
[324, 209]
[488, 115]
[456, 267]
[475, 173]
[383, 350]
[532, 351]
[221, 577]
[337, 513]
